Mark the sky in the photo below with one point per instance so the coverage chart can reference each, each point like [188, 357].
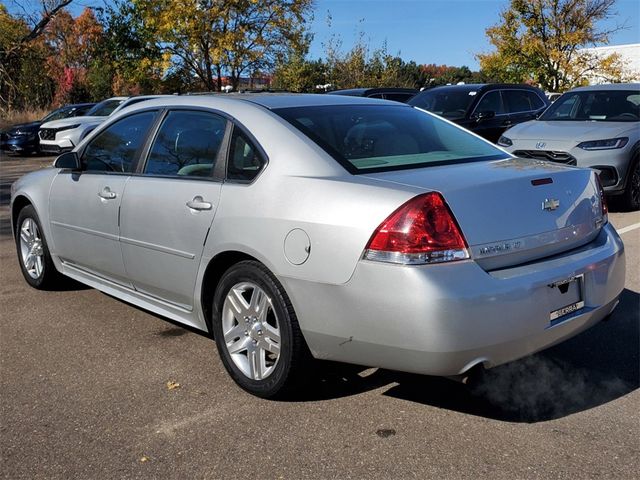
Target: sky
[432, 31]
[447, 32]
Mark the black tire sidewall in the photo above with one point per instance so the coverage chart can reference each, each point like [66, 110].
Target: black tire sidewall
[628, 194]
[254, 272]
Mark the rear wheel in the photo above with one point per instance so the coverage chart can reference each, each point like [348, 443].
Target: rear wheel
[257, 332]
[631, 195]
[33, 252]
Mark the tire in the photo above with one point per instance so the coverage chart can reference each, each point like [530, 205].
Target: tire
[631, 195]
[33, 252]
[257, 332]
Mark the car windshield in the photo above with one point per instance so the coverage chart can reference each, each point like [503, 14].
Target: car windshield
[596, 106]
[373, 138]
[64, 112]
[451, 103]
[104, 108]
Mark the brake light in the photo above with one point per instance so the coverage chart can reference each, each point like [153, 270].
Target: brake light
[423, 230]
[603, 201]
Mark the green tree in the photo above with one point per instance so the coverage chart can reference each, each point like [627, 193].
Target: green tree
[543, 41]
[216, 38]
[127, 59]
[295, 73]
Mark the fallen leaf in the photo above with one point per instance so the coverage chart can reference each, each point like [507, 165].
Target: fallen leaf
[171, 385]
[144, 459]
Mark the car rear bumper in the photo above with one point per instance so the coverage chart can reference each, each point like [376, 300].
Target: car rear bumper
[445, 319]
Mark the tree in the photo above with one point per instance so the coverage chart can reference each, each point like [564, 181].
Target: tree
[22, 52]
[216, 38]
[74, 41]
[128, 59]
[295, 73]
[542, 41]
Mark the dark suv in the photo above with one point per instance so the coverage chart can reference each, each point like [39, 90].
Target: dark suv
[485, 109]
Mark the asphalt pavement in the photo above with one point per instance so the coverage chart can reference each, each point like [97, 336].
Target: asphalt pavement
[92, 387]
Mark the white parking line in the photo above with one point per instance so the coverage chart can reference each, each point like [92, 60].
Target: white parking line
[629, 228]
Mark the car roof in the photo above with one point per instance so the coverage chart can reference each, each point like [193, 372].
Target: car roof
[286, 100]
[482, 87]
[76, 105]
[608, 86]
[372, 91]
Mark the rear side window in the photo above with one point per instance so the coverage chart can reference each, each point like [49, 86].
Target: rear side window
[370, 138]
[491, 102]
[398, 97]
[245, 162]
[522, 101]
[187, 145]
[115, 148]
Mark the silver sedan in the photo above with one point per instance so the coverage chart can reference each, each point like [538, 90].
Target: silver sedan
[300, 227]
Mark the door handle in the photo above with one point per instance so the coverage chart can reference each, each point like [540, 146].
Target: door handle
[507, 123]
[107, 194]
[198, 203]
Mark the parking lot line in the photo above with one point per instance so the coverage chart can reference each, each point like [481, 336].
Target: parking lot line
[629, 228]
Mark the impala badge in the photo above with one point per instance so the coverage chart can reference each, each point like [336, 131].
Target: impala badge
[540, 145]
[550, 204]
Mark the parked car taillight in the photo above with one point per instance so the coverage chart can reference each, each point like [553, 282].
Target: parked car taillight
[423, 230]
[603, 201]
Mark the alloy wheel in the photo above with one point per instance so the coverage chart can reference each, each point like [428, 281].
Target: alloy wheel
[31, 248]
[251, 330]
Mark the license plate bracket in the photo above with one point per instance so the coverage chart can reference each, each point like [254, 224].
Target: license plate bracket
[565, 297]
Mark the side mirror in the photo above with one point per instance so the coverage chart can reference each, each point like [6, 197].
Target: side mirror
[68, 160]
[485, 115]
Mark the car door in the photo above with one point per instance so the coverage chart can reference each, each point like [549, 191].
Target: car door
[84, 206]
[489, 117]
[168, 207]
[522, 105]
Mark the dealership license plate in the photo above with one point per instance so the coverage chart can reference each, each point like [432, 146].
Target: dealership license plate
[566, 297]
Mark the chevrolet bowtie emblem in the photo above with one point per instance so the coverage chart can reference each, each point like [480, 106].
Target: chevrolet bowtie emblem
[550, 204]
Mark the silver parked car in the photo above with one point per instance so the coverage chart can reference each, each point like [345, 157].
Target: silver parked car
[342, 228]
[597, 127]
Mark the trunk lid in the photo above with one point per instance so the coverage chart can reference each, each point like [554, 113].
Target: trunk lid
[515, 210]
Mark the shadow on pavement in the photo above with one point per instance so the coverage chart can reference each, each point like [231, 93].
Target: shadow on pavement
[596, 367]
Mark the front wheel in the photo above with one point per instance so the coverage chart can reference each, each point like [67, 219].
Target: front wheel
[33, 252]
[257, 332]
[631, 196]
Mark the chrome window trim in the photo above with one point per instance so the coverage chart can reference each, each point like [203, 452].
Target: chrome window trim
[102, 127]
[155, 130]
[504, 103]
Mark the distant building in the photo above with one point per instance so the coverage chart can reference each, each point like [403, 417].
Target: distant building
[629, 55]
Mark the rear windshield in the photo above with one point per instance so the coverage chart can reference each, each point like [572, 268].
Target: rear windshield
[451, 103]
[596, 106]
[65, 112]
[104, 108]
[377, 138]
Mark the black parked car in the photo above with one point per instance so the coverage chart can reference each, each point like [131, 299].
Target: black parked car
[388, 93]
[485, 109]
[23, 138]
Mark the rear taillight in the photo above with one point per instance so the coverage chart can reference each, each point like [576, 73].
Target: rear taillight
[423, 230]
[603, 201]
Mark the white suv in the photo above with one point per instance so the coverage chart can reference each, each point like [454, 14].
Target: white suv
[63, 135]
[596, 127]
